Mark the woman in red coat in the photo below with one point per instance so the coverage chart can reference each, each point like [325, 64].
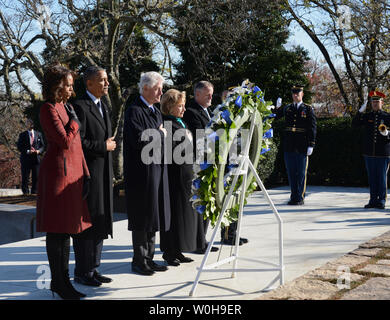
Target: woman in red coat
[61, 208]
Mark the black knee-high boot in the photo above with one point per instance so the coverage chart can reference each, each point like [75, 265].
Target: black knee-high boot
[65, 267]
[57, 246]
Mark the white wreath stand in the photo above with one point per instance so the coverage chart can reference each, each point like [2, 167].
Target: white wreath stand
[244, 163]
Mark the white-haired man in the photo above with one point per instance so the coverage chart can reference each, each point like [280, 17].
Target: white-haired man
[146, 183]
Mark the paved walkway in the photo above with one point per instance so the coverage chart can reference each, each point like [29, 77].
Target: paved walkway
[331, 224]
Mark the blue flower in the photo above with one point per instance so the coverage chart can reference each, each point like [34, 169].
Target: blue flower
[256, 89]
[226, 116]
[196, 183]
[269, 134]
[200, 209]
[264, 150]
[204, 165]
[194, 197]
[238, 101]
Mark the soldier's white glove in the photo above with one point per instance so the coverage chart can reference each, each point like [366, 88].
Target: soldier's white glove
[384, 133]
[309, 151]
[278, 102]
[363, 107]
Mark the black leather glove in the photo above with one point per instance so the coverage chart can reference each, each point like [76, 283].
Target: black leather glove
[71, 113]
[86, 186]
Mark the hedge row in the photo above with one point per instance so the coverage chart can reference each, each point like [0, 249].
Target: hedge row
[337, 159]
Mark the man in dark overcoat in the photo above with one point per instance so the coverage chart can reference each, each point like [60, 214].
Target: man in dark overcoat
[31, 145]
[299, 139]
[98, 144]
[146, 176]
[197, 116]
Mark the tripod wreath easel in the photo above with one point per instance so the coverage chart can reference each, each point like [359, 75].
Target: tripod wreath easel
[244, 165]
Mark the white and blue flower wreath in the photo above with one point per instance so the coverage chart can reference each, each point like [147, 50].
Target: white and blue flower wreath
[212, 180]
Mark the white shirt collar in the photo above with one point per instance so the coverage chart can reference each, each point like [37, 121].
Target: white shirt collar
[94, 99]
[298, 104]
[147, 103]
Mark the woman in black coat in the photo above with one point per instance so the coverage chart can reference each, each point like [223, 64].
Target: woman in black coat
[181, 237]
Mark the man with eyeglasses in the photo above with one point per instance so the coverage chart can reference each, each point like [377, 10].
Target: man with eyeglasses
[376, 149]
[299, 140]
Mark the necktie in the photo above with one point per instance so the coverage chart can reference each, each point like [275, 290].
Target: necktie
[208, 116]
[31, 137]
[99, 105]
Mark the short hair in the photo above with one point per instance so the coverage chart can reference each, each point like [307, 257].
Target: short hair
[53, 80]
[170, 99]
[149, 79]
[91, 72]
[201, 85]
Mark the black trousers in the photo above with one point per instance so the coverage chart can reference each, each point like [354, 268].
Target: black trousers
[143, 247]
[28, 167]
[230, 233]
[88, 254]
[201, 242]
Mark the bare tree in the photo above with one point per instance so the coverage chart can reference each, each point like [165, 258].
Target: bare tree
[358, 31]
[34, 33]
[89, 32]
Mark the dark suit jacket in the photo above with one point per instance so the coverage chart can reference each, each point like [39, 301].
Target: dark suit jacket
[94, 131]
[24, 145]
[196, 118]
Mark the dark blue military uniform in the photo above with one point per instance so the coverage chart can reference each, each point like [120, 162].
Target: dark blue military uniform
[299, 134]
[376, 152]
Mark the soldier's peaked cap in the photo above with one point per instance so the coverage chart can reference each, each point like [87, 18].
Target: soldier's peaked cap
[376, 94]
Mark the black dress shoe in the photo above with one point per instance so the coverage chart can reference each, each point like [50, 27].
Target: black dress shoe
[142, 270]
[296, 203]
[369, 205]
[380, 206]
[87, 281]
[183, 258]
[244, 240]
[156, 267]
[173, 262]
[101, 278]
[232, 242]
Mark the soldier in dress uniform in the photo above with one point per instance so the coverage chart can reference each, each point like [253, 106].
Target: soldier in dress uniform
[299, 140]
[376, 149]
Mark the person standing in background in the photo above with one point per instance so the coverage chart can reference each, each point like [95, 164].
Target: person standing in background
[299, 140]
[376, 147]
[31, 145]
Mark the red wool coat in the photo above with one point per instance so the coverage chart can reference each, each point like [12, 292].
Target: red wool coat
[60, 207]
